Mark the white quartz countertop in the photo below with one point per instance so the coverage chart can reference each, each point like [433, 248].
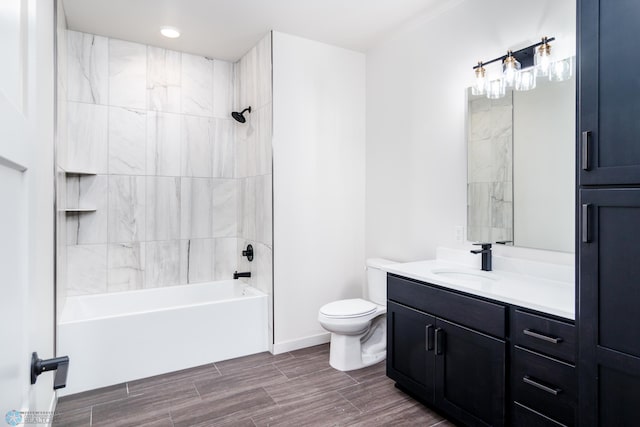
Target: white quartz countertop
[541, 294]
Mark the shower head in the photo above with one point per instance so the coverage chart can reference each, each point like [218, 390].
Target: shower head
[240, 116]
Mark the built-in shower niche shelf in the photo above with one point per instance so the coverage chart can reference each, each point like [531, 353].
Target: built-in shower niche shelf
[75, 211]
[79, 173]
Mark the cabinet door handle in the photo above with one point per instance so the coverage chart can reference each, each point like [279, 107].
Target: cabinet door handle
[551, 390]
[586, 136]
[534, 334]
[429, 337]
[585, 223]
[439, 341]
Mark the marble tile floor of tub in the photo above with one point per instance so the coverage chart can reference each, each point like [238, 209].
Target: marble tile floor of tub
[297, 388]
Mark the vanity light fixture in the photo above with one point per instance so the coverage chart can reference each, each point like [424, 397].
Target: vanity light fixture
[170, 32]
[520, 69]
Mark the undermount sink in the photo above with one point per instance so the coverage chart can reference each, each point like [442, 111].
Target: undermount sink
[463, 274]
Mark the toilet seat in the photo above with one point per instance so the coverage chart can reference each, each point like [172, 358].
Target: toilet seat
[348, 308]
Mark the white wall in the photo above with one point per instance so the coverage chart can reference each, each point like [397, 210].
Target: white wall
[319, 179]
[416, 148]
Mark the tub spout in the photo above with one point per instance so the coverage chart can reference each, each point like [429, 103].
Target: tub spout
[245, 274]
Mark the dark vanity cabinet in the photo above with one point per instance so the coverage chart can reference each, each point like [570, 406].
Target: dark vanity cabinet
[482, 363]
[609, 280]
[608, 212]
[448, 350]
[608, 88]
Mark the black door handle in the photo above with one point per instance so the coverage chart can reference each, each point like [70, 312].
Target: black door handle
[58, 364]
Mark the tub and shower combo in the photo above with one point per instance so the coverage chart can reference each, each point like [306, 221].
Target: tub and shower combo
[118, 337]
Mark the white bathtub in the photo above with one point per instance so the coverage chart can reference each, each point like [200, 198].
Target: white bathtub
[123, 336]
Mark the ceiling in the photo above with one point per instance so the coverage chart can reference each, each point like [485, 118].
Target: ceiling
[226, 29]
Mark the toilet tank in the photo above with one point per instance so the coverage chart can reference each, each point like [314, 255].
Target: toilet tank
[377, 280]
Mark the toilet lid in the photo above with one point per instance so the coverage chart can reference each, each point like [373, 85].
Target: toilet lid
[348, 308]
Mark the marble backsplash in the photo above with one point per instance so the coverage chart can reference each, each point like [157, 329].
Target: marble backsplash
[180, 187]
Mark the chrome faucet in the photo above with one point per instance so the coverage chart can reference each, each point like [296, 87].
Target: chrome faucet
[486, 255]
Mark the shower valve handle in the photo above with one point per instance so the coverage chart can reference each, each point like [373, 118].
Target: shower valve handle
[248, 253]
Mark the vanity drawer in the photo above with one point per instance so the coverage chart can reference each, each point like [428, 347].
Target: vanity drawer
[480, 315]
[548, 336]
[546, 385]
[527, 417]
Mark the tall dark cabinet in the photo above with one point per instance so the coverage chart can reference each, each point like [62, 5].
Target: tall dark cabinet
[608, 248]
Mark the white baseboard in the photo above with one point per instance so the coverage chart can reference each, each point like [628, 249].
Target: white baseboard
[283, 347]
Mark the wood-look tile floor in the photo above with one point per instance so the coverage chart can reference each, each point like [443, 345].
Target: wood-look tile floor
[291, 389]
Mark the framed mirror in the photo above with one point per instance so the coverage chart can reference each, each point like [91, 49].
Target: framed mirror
[520, 167]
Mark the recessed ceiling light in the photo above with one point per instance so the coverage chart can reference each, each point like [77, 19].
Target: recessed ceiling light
[170, 32]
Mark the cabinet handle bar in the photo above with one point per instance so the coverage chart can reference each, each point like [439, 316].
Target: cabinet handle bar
[585, 150]
[585, 223]
[527, 380]
[534, 334]
[439, 343]
[429, 337]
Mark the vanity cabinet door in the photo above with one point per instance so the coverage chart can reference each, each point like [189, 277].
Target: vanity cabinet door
[609, 301]
[410, 349]
[609, 105]
[470, 375]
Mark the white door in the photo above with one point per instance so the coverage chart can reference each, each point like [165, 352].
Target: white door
[26, 203]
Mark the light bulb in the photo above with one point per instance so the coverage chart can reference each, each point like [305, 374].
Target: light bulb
[510, 66]
[542, 57]
[479, 85]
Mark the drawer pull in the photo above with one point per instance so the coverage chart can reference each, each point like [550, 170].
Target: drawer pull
[534, 334]
[527, 380]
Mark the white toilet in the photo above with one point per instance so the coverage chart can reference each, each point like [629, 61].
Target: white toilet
[359, 327]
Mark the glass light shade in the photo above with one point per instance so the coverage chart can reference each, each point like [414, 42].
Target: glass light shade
[480, 85]
[496, 89]
[526, 80]
[561, 70]
[542, 59]
[510, 67]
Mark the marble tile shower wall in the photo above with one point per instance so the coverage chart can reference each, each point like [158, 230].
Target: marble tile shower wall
[154, 126]
[254, 165]
[490, 170]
